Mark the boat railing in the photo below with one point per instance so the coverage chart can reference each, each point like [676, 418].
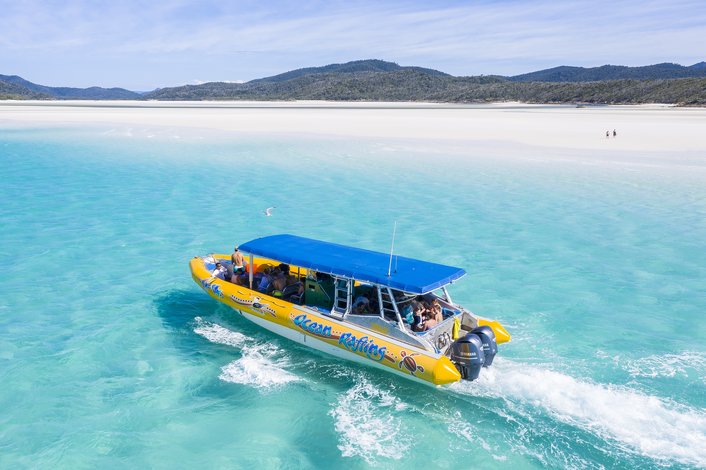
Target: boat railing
[441, 335]
[390, 329]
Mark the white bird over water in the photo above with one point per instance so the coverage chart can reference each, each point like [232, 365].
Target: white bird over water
[268, 211]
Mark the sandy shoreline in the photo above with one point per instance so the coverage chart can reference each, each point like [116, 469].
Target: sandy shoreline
[639, 128]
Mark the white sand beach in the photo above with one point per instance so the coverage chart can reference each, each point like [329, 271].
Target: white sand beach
[639, 128]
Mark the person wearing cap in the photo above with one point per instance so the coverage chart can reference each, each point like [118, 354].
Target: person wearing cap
[238, 261]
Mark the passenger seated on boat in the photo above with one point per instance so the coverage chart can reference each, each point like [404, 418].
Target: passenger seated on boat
[358, 310]
[418, 323]
[361, 308]
[243, 279]
[239, 279]
[279, 282]
[265, 280]
[424, 319]
[220, 271]
[407, 315]
[436, 311]
[361, 299]
[284, 268]
[430, 322]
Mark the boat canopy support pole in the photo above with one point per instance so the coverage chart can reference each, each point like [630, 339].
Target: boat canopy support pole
[251, 270]
[446, 294]
[382, 309]
[397, 311]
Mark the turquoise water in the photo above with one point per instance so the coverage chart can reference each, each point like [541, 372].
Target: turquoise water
[111, 357]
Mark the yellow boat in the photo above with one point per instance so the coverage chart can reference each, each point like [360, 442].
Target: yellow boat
[355, 304]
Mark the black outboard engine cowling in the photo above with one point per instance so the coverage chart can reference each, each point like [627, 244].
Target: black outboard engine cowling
[490, 347]
[468, 356]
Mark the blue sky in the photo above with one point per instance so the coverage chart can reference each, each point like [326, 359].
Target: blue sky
[142, 45]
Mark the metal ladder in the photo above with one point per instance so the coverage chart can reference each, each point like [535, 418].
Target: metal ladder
[389, 307]
[342, 297]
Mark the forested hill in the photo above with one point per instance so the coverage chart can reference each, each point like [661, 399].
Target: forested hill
[613, 72]
[47, 92]
[370, 65]
[377, 80]
[12, 91]
[415, 85]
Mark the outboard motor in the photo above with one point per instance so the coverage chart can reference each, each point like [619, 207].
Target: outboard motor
[490, 347]
[468, 356]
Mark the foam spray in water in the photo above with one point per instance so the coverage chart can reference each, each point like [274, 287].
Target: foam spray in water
[646, 424]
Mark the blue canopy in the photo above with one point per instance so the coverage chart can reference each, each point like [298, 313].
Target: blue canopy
[408, 275]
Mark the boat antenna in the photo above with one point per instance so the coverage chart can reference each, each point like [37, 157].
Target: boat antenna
[392, 249]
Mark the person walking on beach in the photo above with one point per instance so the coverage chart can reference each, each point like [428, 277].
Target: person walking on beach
[607, 134]
[614, 133]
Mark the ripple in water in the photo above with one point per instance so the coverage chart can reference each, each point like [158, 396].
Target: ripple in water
[645, 424]
[367, 423]
[460, 427]
[667, 365]
[261, 365]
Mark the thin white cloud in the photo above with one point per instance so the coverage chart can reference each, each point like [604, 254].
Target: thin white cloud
[505, 37]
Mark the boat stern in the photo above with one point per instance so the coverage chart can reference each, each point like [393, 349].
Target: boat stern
[501, 334]
[445, 372]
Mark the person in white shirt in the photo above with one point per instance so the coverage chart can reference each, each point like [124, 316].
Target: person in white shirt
[220, 271]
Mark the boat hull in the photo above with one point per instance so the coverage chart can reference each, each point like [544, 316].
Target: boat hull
[322, 346]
